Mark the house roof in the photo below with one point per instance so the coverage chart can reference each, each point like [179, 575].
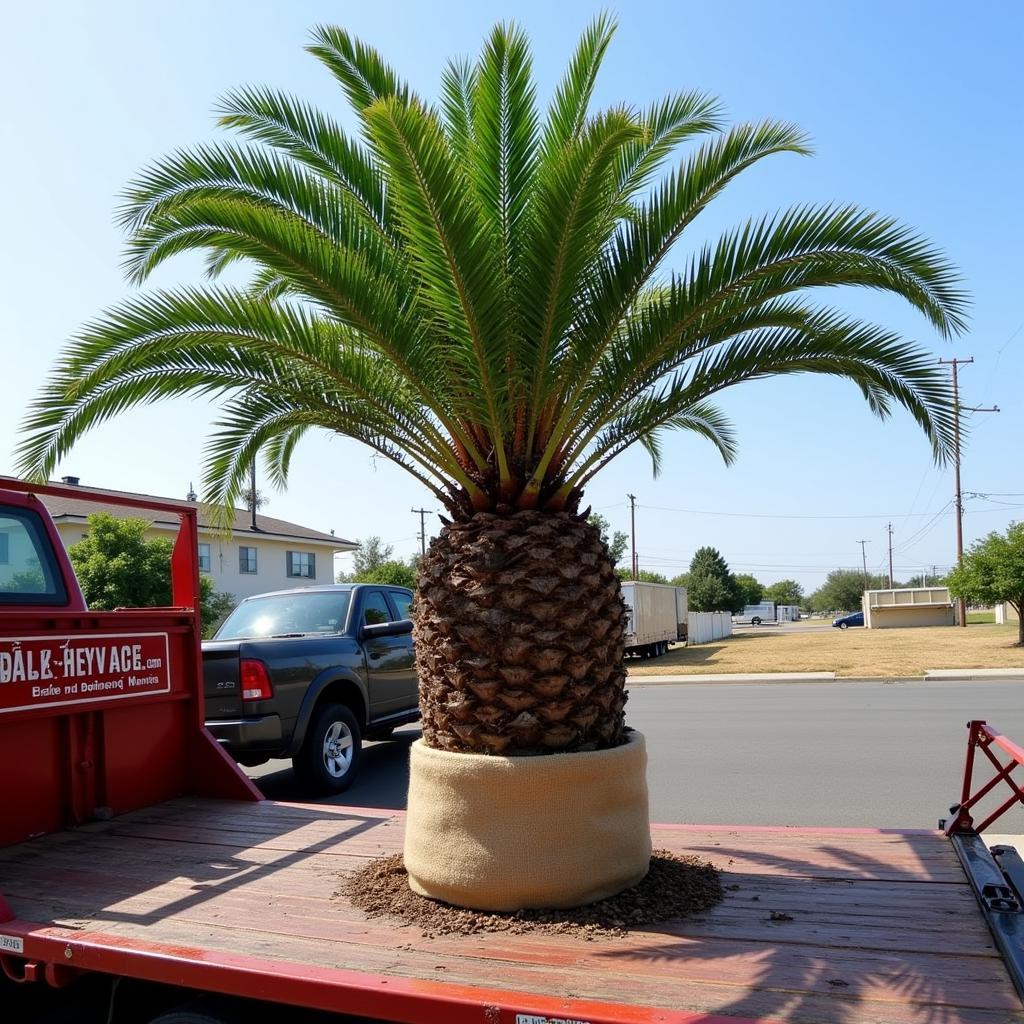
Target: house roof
[67, 509]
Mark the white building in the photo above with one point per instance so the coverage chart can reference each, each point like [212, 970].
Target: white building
[908, 606]
[275, 555]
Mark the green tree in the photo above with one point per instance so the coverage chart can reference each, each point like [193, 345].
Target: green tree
[992, 571]
[843, 589]
[707, 593]
[712, 587]
[118, 567]
[617, 542]
[750, 589]
[491, 297]
[391, 573]
[784, 592]
[643, 576]
[372, 562]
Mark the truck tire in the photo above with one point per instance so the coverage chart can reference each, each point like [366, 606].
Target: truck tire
[756, 621]
[198, 1012]
[190, 1017]
[329, 757]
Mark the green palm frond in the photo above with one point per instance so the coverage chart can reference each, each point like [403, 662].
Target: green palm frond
[569, 105]
[491, 299]
[312, 139]
[360, 70]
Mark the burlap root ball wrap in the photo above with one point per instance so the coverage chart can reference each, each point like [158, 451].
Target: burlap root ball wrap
[510, 833]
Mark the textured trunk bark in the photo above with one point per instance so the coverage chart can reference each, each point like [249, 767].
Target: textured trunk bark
[519, 631]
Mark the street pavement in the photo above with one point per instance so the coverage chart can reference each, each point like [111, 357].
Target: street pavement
[865, 754]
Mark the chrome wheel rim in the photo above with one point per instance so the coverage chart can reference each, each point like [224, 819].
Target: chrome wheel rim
[338, 750]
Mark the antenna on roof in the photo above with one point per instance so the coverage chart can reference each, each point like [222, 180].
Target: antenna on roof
[191, 496]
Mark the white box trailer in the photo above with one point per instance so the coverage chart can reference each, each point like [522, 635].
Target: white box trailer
[652, 618]
[682, 614]
[755, 614]
[788, 612]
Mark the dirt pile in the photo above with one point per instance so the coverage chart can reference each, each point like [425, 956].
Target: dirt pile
[675, 887]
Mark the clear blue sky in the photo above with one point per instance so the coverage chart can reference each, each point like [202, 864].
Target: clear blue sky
[914, 109]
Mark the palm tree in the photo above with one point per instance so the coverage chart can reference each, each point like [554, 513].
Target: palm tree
[479, 293]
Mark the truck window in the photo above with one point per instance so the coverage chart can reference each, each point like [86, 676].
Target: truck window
[403, 602]
[375, 609]
[28, 570]
[287, 615]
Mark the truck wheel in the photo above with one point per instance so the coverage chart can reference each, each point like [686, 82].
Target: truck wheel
[198, 1012]
[755, 621]
[329, 757]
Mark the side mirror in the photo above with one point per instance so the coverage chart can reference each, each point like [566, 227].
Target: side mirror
[400, 627]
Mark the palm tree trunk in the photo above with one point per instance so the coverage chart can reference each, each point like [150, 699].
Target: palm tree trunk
[519, 637]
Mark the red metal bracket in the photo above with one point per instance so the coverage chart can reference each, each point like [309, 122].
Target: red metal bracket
[984, 737]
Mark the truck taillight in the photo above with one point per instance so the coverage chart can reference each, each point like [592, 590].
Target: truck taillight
[255, 681]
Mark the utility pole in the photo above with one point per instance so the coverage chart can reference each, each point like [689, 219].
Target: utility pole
[958, 501]
[890, 555]
[864, 560]
[423, 513]
[632, 527]
[252, 497]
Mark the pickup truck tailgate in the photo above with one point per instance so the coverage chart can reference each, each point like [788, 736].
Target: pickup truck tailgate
[221, 685]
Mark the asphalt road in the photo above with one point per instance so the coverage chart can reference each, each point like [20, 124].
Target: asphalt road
[874, 755]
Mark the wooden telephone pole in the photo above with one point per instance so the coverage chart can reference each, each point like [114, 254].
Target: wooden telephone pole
[958, 500]
[423, 513]
[632, 529]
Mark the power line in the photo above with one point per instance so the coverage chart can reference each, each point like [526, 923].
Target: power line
[781, 515]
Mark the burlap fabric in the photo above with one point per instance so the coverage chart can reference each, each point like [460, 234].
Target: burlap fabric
[508, 833]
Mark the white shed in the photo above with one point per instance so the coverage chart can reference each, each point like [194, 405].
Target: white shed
[908, 606]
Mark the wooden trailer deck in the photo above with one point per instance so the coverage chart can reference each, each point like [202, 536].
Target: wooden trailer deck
[832, 925]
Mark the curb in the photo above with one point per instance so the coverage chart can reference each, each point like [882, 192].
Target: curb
[936, 674]
[748, 677]
[930, 676]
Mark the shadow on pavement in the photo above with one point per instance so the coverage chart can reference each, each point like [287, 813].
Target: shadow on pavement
[383, 779]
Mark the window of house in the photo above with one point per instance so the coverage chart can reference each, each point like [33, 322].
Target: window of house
[204, 558]
[302, 563]
[247, 560]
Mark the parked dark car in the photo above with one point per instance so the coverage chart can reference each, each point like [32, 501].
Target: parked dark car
[846, 621]
[308, 673]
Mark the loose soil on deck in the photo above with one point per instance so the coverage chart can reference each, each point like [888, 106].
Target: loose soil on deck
[675, 887]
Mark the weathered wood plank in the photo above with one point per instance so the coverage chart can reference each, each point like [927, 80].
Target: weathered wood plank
[884, 929]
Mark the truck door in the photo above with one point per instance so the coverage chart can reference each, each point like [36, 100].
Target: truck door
[401, 601]
[391, 674]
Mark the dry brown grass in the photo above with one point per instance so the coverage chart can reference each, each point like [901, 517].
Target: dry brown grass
[884, 653]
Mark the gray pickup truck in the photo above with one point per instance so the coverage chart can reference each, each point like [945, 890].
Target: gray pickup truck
[307, 673]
